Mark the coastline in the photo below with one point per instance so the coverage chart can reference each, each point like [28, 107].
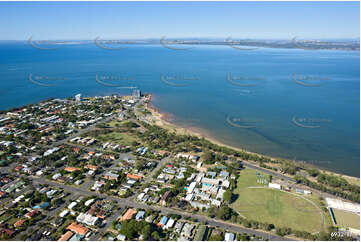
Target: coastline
[164, 120]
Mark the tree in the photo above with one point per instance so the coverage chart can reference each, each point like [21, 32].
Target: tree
[224, 213]
[146, 232]
[216, 237]
[208, 157]
[155, 235]
[227, 196]
[129, 229]
[313, 172]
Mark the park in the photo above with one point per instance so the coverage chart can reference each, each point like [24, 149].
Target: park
[256, 201]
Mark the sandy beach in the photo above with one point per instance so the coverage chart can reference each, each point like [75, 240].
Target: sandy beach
[164, 120]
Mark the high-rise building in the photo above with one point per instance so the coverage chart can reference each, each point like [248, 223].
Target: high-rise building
[136, 93]
[78, 97]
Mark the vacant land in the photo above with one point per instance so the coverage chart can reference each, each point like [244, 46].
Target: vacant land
[347, 219]
[257, 202]
[115, 123]
[117, 138]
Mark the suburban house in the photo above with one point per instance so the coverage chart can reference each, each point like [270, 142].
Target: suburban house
[111, 176]
[66, 236]
[165, 197]
[129, 214]
[78, 229]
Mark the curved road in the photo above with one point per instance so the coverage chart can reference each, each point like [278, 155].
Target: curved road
[130, 203]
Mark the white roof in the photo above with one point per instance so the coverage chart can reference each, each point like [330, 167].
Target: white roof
[274, 185]
[64, 213]
[140, 196]
[225, 183]
[87, 219]
[72, 205]
[220, 193]
[121, 237]
[229, 237]
[56, 176]
[169, 224]
[189, 197]
[90, 201]
[215, 202]
[191, 187]
[210, 181]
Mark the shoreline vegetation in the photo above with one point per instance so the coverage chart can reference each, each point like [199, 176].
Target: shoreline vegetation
[333, 183]
[155, 130]
[165, 120]
[318, 178]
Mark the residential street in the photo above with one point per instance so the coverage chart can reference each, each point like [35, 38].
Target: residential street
[126, 202]
[83, 189]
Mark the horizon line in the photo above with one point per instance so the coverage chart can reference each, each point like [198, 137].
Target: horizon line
[190, 38]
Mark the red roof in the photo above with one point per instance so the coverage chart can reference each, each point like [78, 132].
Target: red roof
[131, 176]
[129, 214]
[8, 232]
[71, 169]
[18, 168]
[91, 167]
[166, 195]
[19, 223]
[5, 180]
[66, 236]
[77, 228]
[31, 213]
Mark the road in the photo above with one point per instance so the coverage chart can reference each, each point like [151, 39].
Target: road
[124, 202]
[49, 214]
[129, 202]
[269, 172]
[289, 181]
[109, 220]
[160, 164]
[82, 131]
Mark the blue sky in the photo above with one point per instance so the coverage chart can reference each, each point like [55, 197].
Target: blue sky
[87, 20]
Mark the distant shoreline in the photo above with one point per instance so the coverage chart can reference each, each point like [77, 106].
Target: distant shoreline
[177, 44]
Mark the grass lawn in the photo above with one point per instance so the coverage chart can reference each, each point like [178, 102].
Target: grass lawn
[280, 208]
[5, 217]
[347, 219]
[13, 220]
[121, 192]
[117, 138]
[202, 233]
[117, 123]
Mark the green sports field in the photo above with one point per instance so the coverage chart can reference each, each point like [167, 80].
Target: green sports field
[258, 202]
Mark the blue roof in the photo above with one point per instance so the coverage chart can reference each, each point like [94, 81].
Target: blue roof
[224, 173]
[140, 214]
[76, 237]
[44, 204]
[164, 220]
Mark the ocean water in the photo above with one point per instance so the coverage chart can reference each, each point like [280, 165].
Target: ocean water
[291, 103]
